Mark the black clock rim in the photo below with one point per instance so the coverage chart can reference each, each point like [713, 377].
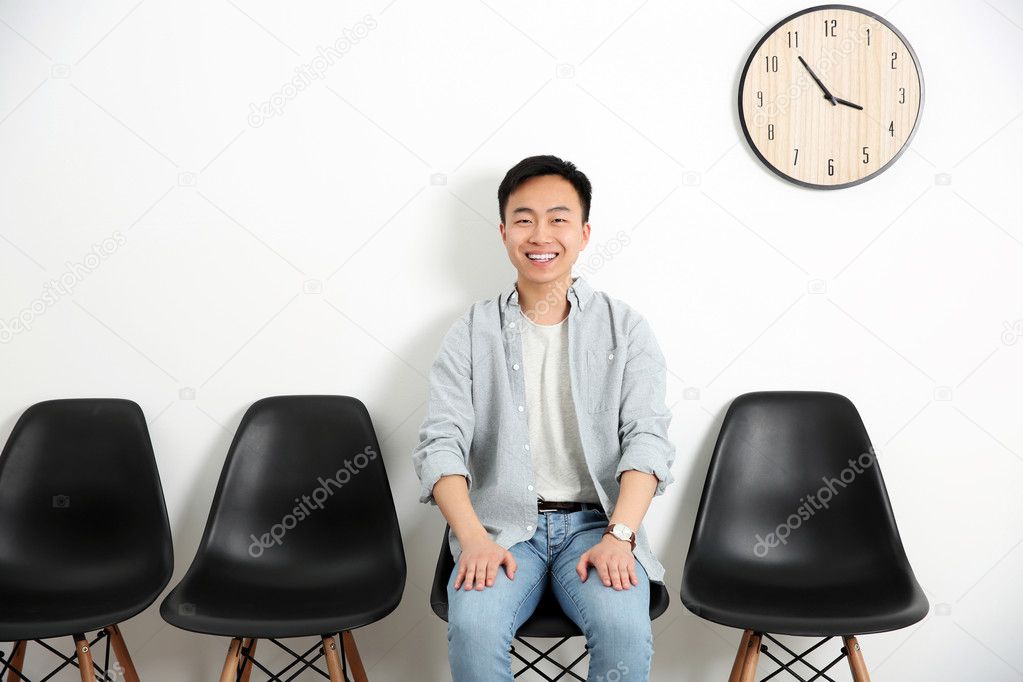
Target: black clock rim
[770, 32]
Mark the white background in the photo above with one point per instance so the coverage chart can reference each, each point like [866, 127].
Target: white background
[327, 249]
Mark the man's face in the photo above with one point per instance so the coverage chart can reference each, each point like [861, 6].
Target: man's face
[544, 217]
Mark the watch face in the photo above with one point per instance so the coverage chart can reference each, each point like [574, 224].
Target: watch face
[621, 532]
[830, 96]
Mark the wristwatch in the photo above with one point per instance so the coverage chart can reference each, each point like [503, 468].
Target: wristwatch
[622, 532]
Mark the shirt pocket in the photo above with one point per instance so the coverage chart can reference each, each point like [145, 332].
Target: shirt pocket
[603, 379]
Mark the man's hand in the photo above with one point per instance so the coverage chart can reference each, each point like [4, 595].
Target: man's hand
[479, 561]
[613, 560]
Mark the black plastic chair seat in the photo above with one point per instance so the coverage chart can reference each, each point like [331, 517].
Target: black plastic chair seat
[795, 533]
[84, 535]
[549, 620]
[219, 604]
[825, 610]
[35, 614]
[338, 563]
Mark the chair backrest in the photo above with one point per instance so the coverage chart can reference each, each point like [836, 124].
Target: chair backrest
[794, 494]
[304, 493]
[81, 503]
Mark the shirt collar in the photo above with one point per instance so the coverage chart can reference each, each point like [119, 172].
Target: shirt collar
[579, 293]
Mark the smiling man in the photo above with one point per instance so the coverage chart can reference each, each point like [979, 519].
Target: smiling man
[545, 440]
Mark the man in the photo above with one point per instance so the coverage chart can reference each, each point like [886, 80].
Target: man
[545, 440]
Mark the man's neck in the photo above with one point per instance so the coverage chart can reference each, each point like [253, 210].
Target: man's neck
[545, 302]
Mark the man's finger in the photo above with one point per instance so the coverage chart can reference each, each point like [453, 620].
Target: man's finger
[461, 574]
[602, 571]
[581, 567]
[616, 577]
[481, 575]
[469, 572]
[509, 565]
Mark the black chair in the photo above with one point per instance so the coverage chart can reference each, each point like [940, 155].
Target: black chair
[795, 533]
[85, 541]
[302, 539]
[547, 622]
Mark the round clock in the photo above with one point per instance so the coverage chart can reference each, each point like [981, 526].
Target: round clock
[830, 96]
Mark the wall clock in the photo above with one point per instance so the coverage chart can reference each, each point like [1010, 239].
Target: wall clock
[830, 96]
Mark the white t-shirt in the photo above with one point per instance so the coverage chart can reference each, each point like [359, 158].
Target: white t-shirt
[559, 468]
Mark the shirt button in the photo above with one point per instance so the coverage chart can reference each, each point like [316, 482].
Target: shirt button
[511, 324]
[529, 487]
[611, 356]
[527, 446]
[521, 408]
[529, 528]
[515, 366]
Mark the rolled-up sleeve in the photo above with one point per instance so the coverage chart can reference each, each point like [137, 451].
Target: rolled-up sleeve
[644, 417]
[446, 433]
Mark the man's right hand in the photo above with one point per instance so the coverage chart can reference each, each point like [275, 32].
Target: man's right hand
[479, 561]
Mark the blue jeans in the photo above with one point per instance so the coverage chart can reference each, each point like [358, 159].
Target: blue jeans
[482, 623]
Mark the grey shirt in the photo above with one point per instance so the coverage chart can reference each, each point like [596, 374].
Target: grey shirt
[474, 427]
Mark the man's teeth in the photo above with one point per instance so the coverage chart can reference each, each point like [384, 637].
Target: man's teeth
[541, 256]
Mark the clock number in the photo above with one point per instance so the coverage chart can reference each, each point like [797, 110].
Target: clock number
[829, 31]
[796, 159]
[902, 95]
[891, 128]
[866, 155]
[831, 166]
[895, 55]
[760, 97]
[771, 64]
[793, 38]
[868, 36]
[770, 131]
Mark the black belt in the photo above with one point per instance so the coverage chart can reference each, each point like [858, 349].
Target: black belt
[547, 505]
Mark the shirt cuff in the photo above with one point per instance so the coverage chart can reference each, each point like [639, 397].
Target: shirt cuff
[436, 466]
[649, 462]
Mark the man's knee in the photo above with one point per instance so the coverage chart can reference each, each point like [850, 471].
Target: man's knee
[480, 630]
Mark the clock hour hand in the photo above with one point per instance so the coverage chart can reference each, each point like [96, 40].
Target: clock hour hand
[827, 94]
[848, 104]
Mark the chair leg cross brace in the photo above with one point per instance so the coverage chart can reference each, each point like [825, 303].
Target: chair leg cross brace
[745, 667]
[241, 659]
[81, 659]
[545, 656]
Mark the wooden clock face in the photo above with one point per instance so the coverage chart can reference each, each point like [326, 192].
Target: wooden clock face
[830, 96]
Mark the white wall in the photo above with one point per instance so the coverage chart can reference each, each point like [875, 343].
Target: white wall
[313, 253]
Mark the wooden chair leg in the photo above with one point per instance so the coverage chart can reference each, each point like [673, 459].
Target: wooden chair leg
[740, 656]
[17, 661]
[121, 653]
[230, 673]
[352, 656]
[249, 644]
[751, 658]
[855, 656]
[333, 660]
[84, 654]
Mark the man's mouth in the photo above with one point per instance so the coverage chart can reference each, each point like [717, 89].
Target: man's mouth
[541, 258]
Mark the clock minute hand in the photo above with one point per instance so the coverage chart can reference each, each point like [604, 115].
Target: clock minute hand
[827, 94]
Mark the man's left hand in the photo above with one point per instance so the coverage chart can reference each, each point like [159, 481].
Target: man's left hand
[614, 562]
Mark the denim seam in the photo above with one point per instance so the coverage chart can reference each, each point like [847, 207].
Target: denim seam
[518, 607]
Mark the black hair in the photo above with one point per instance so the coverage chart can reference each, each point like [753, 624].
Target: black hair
[535, 166]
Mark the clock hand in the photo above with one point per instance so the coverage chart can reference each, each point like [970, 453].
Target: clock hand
[848, 104]
[827, 95]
